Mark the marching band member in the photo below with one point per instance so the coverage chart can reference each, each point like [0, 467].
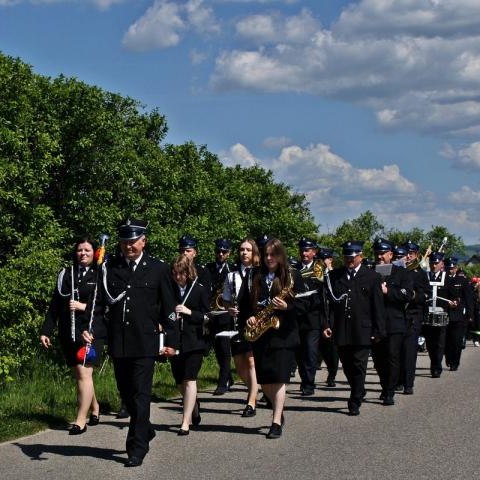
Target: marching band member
[397, 288]
[139, 290]
[459, 317]
[310, 320]
[192, 305]
[359, 317]
[415, 314]
[218, 272]
[326, 346]
[236, 296]
[72, 317]
[274, 352]
[440, 301]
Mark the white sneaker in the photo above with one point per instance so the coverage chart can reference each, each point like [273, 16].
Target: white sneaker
[476, 343]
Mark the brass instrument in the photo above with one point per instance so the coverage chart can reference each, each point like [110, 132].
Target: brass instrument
[317, 271]
[265, 319]
[216, 302]
[422, 261]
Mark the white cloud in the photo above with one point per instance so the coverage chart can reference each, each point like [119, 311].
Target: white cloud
[465, 196]
[164, 22]
[276, 142]
[238, 154]
[467, 158]
[415, 63]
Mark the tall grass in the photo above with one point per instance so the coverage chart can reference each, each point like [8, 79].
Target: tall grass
[44, 395]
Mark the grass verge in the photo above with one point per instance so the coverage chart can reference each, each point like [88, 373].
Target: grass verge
[44, 395]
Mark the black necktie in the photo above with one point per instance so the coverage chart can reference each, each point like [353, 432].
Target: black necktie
[131, 266]
[81, 272]
[351, 273]
[432, 276]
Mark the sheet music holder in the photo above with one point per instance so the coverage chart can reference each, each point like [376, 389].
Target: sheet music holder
[384, 269]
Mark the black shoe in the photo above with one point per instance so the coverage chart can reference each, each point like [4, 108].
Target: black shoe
[382, 396]
[408, 391]
[331, 382]
[388, 400]
[353, 408]
[436, 374]
[123, 412]
[249, 411]
[454, 368]
[196, 418]
[292, 373]
[183, 433]
[275, 431]
[307, 392]
[94, 420]
[76, 430]
[151, 434]
[266, 401]
[134, 461]
[399, 388]
[230, 384]
[221, 390]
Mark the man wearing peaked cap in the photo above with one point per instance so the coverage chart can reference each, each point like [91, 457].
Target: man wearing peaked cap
[356, 295]
[139, 291]
[414, 314]
[219, 269]
[311, 315]
[459, 315]
[397, 289]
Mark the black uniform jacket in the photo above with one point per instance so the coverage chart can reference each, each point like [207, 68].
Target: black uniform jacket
[460, 290]
[147, 303]
[58, 313]
[399, 293]
[191, 326]
[287, 334]
[312, 312]
[359, 312]
[417, 307]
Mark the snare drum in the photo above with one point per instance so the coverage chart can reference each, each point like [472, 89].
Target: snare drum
[436, 319]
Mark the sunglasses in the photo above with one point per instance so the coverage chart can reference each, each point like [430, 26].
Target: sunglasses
[222, 251]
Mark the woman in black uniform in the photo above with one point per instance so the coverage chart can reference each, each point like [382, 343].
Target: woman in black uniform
[236, 296]
[193, 304]
[274, 287]
[72, 317]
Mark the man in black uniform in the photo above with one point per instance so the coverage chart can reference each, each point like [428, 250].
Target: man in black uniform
[326, 346]
[220, 322]
[359, 318]
[415, 313]
[433, 330]
[459, 316]
[311, 315]
[397, 288]
[139, 291]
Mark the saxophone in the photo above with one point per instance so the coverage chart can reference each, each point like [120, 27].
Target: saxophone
[265, 319]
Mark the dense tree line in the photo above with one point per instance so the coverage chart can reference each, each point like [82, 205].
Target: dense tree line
[76, 159]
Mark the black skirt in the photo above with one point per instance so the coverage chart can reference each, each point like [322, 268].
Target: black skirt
[239, 345]
[186, 365]
[273, 365]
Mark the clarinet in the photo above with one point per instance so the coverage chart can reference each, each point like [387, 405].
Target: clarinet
[72, 312]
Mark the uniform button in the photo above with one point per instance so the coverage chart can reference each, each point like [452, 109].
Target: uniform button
[128, 310]
[128, 286]
[128, 298]
[127, 323]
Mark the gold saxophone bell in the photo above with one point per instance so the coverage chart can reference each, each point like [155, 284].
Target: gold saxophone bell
[317, 270]
[265, 319]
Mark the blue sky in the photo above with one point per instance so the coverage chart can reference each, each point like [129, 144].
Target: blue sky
[373, 104]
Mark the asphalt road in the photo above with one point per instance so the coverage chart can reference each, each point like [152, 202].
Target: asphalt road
[434, 434]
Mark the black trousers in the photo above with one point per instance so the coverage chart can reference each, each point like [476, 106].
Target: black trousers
[435, 340]
[307, 357]
[408, 356]
[134, 381]
[223, 356]
[329, 354]
[354, 362]
[454, 343]
[386, 358]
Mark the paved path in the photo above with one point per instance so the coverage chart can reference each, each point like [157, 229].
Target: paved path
[434, 434]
